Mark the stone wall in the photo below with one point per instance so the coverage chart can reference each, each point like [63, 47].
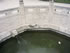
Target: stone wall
[11, 22]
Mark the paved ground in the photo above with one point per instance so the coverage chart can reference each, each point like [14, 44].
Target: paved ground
[8, 4]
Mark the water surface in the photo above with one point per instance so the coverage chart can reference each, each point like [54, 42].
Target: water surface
[36, 42]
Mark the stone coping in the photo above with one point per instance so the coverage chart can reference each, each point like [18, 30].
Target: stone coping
[23, 29]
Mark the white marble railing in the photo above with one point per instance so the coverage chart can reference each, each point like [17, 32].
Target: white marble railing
[8, 13]
[10, 21]
[61, 11]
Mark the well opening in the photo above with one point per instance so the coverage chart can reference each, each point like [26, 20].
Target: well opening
[37, 41]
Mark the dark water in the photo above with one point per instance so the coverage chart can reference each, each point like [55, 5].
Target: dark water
[37, 42]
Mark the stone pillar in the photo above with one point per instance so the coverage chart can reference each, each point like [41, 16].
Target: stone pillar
[51, 13]
[21, 12]
[51, 6]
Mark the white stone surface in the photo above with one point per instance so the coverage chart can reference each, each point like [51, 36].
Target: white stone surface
[14, 33]
[4, 35]
[34, 15]
[8, 4]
